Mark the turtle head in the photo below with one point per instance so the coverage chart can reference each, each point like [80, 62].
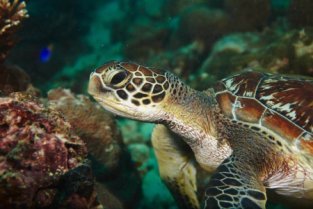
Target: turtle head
[131, 90]
[137, 92]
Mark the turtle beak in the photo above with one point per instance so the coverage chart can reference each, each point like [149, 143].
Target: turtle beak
[95, 86]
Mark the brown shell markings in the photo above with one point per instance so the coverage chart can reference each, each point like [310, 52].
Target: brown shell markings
[281, 104]
[291, 98]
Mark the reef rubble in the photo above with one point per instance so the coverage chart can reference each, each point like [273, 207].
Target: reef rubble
[37, 149]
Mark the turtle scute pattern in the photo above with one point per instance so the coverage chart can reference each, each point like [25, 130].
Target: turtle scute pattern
[283, 105]
[143, 85]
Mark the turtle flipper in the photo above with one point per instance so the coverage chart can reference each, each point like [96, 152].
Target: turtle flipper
[176, 167]
[232, 187]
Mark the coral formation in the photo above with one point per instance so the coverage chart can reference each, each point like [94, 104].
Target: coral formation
[145, 40]
[92, 123]
[11, 15]
[182, 61]
[37, 148]
[287, 52]
[97, 128]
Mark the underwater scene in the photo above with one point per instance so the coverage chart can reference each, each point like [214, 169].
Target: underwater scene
[168, 104]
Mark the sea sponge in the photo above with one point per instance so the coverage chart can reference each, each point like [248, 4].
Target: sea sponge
[37, 148]
[11, 15]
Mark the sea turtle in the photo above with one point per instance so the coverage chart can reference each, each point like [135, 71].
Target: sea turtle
[252, 131]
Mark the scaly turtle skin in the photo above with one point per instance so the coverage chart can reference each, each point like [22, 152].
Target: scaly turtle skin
[252, 131]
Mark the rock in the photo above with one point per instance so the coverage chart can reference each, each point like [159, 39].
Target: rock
[202, 23]
[76, 190]
[14, 79]
[109, 200]
[248, 15]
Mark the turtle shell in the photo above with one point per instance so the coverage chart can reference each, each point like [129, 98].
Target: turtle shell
[283, 105]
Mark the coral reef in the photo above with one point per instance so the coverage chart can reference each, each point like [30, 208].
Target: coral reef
[12, 77]
[97, 128]
[145, 40]
[37, 150]
[11, 15]
[287, 52]
[92, 123]
[182, 61]
[202, 23]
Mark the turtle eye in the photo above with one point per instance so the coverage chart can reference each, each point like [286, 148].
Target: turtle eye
[119, 78]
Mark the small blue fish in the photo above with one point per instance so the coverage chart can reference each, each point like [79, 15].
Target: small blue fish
[46, 53]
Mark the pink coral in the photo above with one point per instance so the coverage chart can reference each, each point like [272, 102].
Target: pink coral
[36, 149]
